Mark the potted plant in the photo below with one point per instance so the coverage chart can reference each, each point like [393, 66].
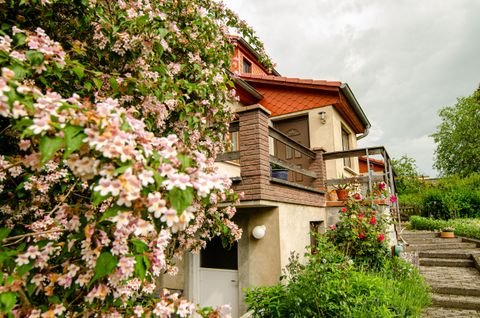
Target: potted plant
[342, 190]
[447, 232]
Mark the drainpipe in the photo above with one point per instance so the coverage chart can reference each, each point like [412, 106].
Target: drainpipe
[365, 134]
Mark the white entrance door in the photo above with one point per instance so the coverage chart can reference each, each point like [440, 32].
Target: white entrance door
[219, 276]
[219, 287]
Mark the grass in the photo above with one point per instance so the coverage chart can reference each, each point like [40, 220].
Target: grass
[463, 227]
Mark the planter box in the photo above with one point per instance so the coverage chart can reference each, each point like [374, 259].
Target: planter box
[280, 174]
[447, 234]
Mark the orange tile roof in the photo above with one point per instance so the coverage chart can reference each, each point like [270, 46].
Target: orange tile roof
[289, 95]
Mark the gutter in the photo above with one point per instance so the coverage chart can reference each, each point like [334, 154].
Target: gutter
[357, 108]
[243, 84]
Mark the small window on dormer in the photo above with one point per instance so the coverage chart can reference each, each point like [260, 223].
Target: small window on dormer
[247, 66]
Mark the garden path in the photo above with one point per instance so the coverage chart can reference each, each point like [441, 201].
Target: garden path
[452, 268]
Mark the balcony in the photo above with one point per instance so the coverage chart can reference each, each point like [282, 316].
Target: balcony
[259, 154]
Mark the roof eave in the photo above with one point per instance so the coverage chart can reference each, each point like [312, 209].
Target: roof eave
[352, 100]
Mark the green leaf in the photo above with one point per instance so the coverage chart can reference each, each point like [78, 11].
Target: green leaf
[113, 211]
[140, 246]
[79, 70]
[74, 137]
[48, 147]
[140, 269]
[22, 270]
[106, 264]
[4, 233]
[97, 198]
[185, 160]
[34, 57]
[180, 199]
[98, 83]
[114, 84]
[7, 301]
[122, 169]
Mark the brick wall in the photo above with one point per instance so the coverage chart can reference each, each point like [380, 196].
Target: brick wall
[255, 165]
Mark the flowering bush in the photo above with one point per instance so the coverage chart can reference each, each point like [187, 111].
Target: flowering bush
[360, 232]
[112, 113]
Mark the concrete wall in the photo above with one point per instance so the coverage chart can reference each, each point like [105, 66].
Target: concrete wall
[294, 223]
[231, 169]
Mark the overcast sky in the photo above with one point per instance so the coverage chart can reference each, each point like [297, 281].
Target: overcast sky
[403, 59]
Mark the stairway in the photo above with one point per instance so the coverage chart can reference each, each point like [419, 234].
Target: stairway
[449, 268]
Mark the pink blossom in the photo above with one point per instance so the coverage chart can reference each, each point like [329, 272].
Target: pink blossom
[393, 199]
[343, 210]
[333, 227]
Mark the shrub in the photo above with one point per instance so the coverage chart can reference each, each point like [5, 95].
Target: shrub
[331, 285]
[111, 116]
[360, 232]
[463, 227]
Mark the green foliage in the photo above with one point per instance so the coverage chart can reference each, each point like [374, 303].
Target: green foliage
[360, 232]
[407, 179]
[457, 137]
[330, 285]
[462, 227]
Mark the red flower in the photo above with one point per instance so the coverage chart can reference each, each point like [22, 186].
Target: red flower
[343, 210]
[357, 196]
[373, 220]
[361, 235]
[382, 185]
[393, 199]
[381, 237]
[361, 216]
[333, 227]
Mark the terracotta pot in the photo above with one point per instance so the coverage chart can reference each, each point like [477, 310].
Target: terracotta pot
[342, 194]
[332, 195]
[447, 234]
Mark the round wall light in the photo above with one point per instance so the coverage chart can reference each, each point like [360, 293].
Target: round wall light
[258, 231]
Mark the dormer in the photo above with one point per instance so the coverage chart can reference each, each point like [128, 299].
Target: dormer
[246, 60]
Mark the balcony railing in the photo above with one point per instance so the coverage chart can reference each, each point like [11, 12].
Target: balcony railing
[371, 177]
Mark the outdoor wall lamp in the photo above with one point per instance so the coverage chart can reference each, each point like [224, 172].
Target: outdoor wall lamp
[323, 117]
[258, 231]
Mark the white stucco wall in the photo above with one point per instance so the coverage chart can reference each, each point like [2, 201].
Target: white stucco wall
[294, 228]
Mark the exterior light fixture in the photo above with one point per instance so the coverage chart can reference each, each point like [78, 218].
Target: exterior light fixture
[323, 117]
[258, 231]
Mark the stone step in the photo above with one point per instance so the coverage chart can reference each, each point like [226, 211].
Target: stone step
[419, 234]
[456, 301]
[440, 312]
[431, 240]
[462, 291]
[455, 254]
[440, 246]
[446, 262]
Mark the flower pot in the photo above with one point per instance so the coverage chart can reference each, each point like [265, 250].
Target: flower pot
[342, 194]
[447, 234]
[280, 174]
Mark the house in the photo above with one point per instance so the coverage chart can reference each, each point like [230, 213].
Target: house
[286, 123]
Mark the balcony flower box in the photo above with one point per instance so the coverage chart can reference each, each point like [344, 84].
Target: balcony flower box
[280, 174]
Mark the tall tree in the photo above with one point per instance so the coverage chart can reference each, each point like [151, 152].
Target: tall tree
[111, 114]
[458, 137]
[407, 180]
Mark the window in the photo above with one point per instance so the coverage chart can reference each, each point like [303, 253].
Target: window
[346, 146]
[234, 141]
[247, 66]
